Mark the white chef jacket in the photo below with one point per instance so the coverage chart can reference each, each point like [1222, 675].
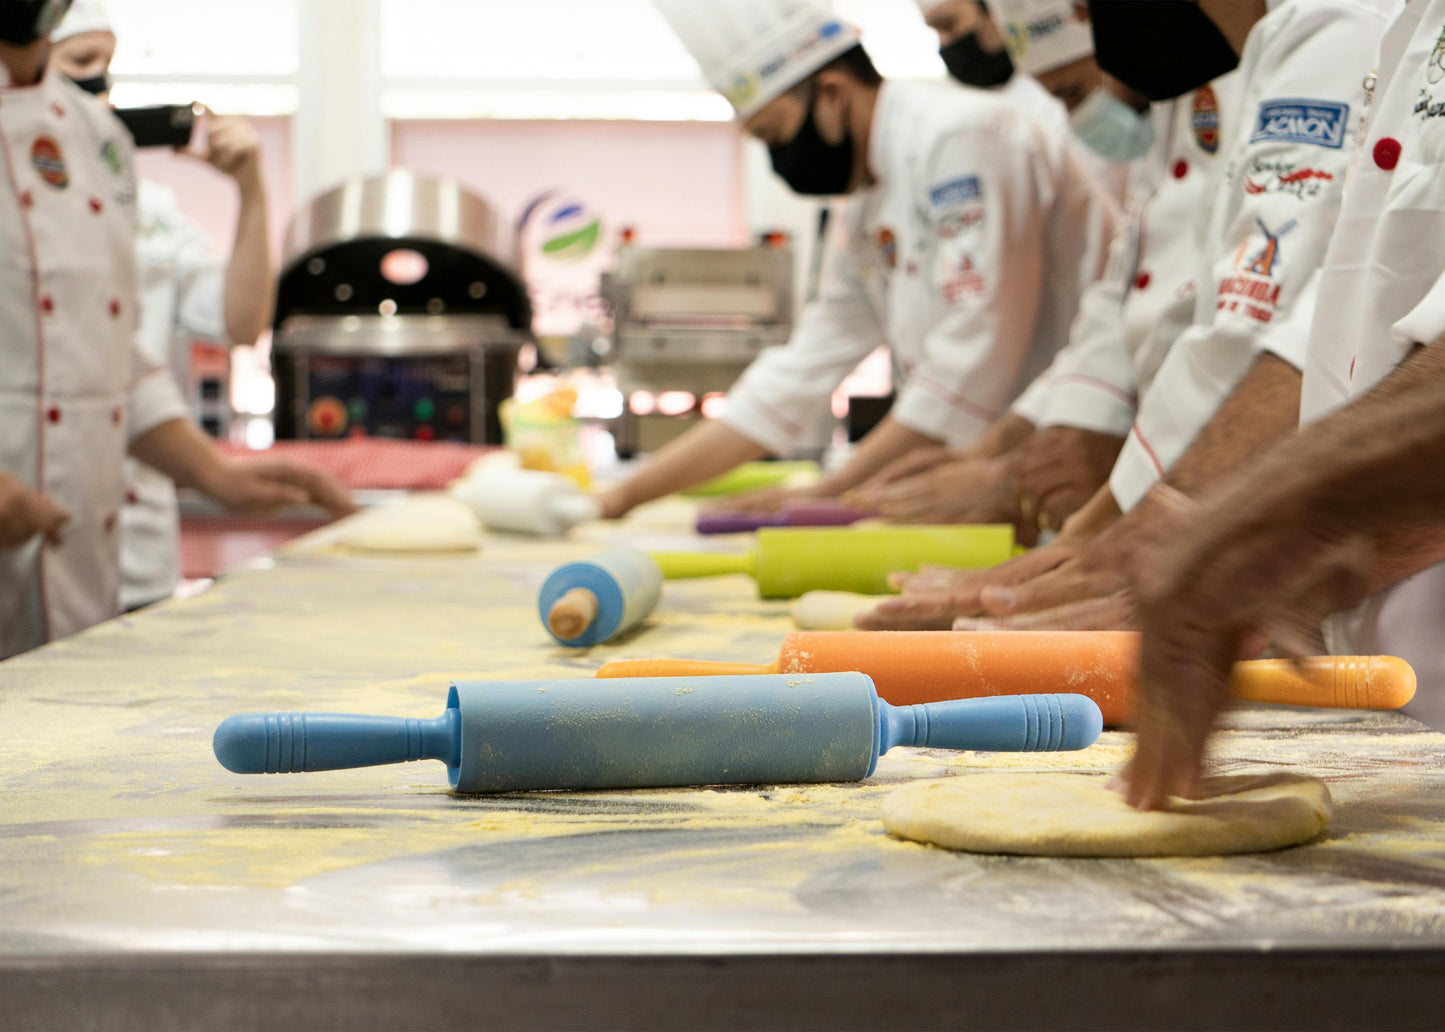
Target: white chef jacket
[1286, 149]
[1130, 317]
[946, 258]
[1027, 94]
[182, 288]
[74, 389]
[1382, 292]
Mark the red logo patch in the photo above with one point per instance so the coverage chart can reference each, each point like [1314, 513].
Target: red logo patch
[49, 162]
[887, 245]
[1204, 120]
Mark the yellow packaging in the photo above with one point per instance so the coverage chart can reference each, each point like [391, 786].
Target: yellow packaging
[544, 434]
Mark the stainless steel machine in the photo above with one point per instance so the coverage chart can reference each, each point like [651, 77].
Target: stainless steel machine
[397, 314]
[692, 320]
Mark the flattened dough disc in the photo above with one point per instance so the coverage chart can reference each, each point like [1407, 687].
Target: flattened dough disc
[1077, 815]
[422, 523]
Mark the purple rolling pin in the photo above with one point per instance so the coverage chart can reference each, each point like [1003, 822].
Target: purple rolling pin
[798, 516]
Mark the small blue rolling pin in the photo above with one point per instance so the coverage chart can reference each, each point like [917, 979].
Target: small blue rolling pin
[655, 732]
[594, 600]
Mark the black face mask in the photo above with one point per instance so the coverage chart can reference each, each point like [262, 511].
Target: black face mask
[95, 84]
[1163, 48]
[972, 65]
[22, 22]
[811, 165]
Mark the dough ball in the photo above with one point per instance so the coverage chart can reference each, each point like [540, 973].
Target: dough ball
[422, 523]
[830, 610]
[1077, 815]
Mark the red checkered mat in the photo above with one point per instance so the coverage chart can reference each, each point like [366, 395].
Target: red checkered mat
[373, 463]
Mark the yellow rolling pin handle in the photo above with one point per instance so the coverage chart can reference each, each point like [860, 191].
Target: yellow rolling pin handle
[686, 565]
[1343, 682]
[680, 668]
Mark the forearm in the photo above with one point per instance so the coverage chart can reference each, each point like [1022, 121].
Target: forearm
[250, 280]
[1261, 410]
[706, 451]
[178, 449]
[887, 442]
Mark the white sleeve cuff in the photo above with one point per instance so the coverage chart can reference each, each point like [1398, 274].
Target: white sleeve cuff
[1136, 470]
[929, 409]
[154, 399]
[1089, 404]
[1033, 403]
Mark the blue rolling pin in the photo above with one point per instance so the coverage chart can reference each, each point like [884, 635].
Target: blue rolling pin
[593, 600]
[655, 732]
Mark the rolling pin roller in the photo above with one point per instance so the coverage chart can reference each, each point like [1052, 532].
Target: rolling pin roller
[929, 666]
[788, 561]
[593, 600]
[653, 733]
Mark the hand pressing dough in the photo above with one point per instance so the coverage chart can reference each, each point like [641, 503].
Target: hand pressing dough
[423, 523]
[1077, 815]
[830, 610]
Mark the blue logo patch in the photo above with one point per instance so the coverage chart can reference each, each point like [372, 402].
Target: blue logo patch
[1319, 122]
[954, 192]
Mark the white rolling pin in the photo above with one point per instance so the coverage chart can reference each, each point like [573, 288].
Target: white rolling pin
[527, 501]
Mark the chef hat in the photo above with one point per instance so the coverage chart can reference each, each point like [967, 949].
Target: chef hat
[751, 51]
[1041, 35]
[83, 16]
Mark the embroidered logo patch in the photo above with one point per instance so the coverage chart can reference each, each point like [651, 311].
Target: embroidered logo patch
[955, 192]
[1435, 66]
[1253, 291]
[1204, 119]
[49, 162]
[1317, 122]
[1284, 177]
[887, 244]
[111, 156]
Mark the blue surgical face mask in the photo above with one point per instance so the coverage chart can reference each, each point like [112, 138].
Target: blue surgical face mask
[1111, 128]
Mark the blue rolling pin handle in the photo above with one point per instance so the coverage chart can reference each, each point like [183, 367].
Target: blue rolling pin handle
[1002, 723]
[283, 743]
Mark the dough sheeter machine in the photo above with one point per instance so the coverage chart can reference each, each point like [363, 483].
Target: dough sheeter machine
[691, 319]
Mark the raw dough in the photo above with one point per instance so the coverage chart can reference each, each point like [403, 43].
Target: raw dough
[830, 610]
[422, 523]
[1077, 815]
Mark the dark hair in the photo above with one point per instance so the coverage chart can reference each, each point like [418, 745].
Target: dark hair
[853, 62]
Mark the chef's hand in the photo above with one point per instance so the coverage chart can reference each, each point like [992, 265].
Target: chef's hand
[767, 500]
[234, 148]
[934, 597]
[25, 512]
[1059, 469]
[1223, 581]
[259, 486]
[919, 460]
[967, 490]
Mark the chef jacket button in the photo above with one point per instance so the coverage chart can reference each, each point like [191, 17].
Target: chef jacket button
[27, 199]
[115, 307]
[115, 415]
[95, 205]
[131, 497]
[53, 413]
[1387, 152]
[47, 304]
[109, 522]
[1181, 169]
[1142, 280]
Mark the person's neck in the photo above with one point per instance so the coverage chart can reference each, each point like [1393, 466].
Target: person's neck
[860, 125]
[1235, 18]
[25, 64]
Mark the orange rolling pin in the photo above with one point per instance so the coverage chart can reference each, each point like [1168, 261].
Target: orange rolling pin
[931, 666]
